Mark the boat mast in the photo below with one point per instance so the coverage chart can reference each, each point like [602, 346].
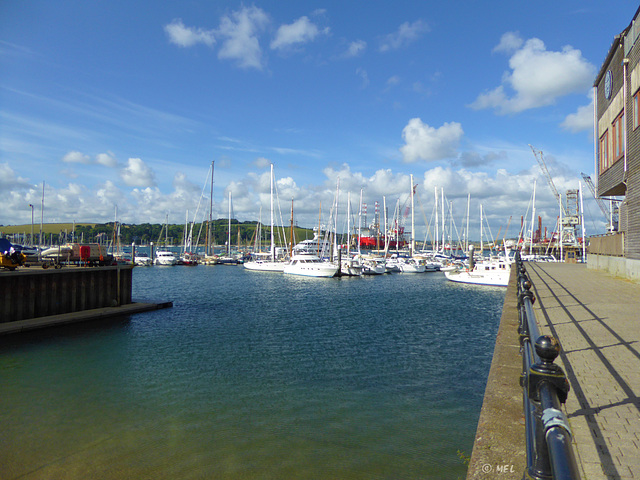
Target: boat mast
[319, 226]
[273, 248]
[466, 246]
[291, 232]
[209, 239]
[481, 246]
[435, 196]
[386, 239]
[443, 219]
[360, 223]
[533, 217]
[413, 226]
[335, 223]
[348, 223]
[229, 230]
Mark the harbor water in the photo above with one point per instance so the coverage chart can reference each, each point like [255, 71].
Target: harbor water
[255, 375]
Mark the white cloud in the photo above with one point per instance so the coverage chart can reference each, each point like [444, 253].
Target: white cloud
[538, 77]
[393, 80]
[581, 120]
[262, 162]
[10, 181]
[76, 157]
[423, 142]
[355, 48]
[240, 31]
[362, 73]
[188, 36]
[106, 159]
[407, 33]
[509, 42]
[137, 174]
[300, 31]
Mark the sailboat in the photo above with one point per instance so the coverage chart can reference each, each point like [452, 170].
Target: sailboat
[270, 265]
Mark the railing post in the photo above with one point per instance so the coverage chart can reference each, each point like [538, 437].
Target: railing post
[545, 388]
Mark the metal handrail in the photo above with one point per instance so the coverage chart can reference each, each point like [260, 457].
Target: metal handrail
[544, 389]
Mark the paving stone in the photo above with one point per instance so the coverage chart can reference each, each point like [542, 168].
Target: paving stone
[595, 318]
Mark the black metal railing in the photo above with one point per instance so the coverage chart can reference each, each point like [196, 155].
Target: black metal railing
[545, 387]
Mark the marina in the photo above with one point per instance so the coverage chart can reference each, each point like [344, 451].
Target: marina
[252, 373]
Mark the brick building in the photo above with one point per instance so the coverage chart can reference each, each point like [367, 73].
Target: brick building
[617, 158]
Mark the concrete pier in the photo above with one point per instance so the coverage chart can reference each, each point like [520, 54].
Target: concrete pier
[36, 292]
[596, 318]
[35, 298]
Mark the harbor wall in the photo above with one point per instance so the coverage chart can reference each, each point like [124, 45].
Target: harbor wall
[32, 293]
[499, 446]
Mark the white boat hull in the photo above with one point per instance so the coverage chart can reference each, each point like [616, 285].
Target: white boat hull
[312, 271]
[264, 266]
[310, 266]
[498, 278]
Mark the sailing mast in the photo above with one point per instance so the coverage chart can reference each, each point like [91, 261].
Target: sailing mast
[348, 223]
[360, 224]
[335, 223]
[443, 218]
[209, 239]
[413, 226]
[291, 233]
[533, 217]
[466, 246]
[435, 196]
[229, 230]
[386, 231]
[273, 247]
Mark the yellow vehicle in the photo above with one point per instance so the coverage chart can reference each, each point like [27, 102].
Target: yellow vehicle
[10, 258]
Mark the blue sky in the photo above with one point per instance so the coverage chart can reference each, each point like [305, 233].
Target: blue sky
[126, 104]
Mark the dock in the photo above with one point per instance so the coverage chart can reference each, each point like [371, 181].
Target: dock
[595, 317]
[33, 298]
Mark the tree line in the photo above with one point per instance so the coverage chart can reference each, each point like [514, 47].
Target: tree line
[242, 233]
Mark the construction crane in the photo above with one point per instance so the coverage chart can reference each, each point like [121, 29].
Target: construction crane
[570, 217]
[545, 172]
[609, 213]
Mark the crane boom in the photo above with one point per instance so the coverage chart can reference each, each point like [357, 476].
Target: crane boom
[545, 171]
[601, 204]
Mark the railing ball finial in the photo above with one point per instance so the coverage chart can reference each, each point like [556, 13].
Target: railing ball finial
[527, 284]
[547, 348]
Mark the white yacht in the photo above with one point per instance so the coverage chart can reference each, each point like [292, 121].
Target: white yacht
[165, 257]
[143, 260]
[310, 266]
[265, 264]
[411, 265]
[490, 272]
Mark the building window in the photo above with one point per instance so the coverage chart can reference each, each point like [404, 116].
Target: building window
[636, 109]
[604, 151]
[618, 137]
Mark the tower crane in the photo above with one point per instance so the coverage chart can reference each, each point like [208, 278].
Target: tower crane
[570, 217]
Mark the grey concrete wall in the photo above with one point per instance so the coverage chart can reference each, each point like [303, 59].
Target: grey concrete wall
[33, 292]
[619, 266]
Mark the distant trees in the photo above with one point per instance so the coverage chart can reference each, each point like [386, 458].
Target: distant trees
[145, 233]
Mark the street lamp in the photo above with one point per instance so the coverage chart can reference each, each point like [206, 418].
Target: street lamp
[31, 224]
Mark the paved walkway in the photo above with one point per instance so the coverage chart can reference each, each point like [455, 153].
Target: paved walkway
[596, 318]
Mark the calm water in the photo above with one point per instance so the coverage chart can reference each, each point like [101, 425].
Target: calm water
[255, 375]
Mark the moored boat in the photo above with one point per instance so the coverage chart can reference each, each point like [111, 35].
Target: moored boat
[310, 265]
[491, 272]
[166, 258]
